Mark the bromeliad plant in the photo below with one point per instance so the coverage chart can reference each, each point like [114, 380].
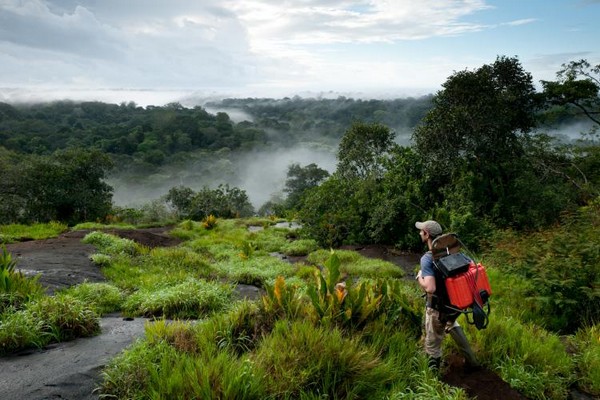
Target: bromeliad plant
[16, 289]
[282, 300]
[354, 306]
[209, 222]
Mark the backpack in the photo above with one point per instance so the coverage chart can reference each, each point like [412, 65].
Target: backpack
[466, 284]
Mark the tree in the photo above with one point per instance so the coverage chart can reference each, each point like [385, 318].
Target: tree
[479, 116]
[67, 186]
[300, 179]
[473, 141]
[362, 150]
[577, 85]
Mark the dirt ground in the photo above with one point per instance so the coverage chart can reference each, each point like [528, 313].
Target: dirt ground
[72, 370]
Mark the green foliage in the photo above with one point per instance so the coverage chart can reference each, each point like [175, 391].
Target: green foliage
[46, 320]
[355, 265]
[103, 298]
[64, 318]
[353, 306]
[18, 232]
[209, 222]
[16, 289]
[247, 248]
[19, 331]
[301, 360]
[281, 300]
[363, 149]
[189, 299]
[111, 244]
[563, 267]
[223, 202]
[300, 247]
[586, 345]
[299, 180]
[256, 271]
[67, 186]
[532, 360]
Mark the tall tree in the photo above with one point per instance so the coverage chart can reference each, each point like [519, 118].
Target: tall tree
[300, 179]
[363, 149]
[577, 86]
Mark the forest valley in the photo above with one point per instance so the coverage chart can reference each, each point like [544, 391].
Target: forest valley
[479, 156]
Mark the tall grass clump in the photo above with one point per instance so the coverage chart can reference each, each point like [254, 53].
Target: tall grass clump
[19, 331]
[256, 271]
[46, 320]
[586, 345]
[128, 375]
[100, 226]
[301, 361]
[103, 298]
[352, 263]
[64, 318]
[183, 360]
[532, 360]
[111, 244]
[192, 298]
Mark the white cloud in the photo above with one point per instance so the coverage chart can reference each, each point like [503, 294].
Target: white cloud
[256, 47]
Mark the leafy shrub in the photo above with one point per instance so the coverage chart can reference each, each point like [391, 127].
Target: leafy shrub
[563, 267]
[209, 222]
[354, 306]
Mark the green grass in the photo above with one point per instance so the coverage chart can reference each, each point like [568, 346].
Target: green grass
[254, 271]
[111, 244]
[17, 232]
[355, 265]
[531, 359]
[189, 299]
[302, 359]
[99, 226]
[16, 289]
[277, 347]
[103, 298]
[301, 247]
[46, 320]
[586, 344]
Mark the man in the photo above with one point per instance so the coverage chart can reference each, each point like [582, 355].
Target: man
[439, 319]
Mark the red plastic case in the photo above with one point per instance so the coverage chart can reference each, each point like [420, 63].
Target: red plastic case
[461, 288]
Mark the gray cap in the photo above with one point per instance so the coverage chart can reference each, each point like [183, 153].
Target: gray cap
[432, 227]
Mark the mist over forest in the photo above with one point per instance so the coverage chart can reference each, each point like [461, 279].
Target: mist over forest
[247, 143]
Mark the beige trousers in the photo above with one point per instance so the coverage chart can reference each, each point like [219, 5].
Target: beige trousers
[435, 330]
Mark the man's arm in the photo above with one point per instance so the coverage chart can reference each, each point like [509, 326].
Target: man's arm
[426, 282]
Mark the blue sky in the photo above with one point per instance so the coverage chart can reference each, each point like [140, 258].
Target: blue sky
[156, 51]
